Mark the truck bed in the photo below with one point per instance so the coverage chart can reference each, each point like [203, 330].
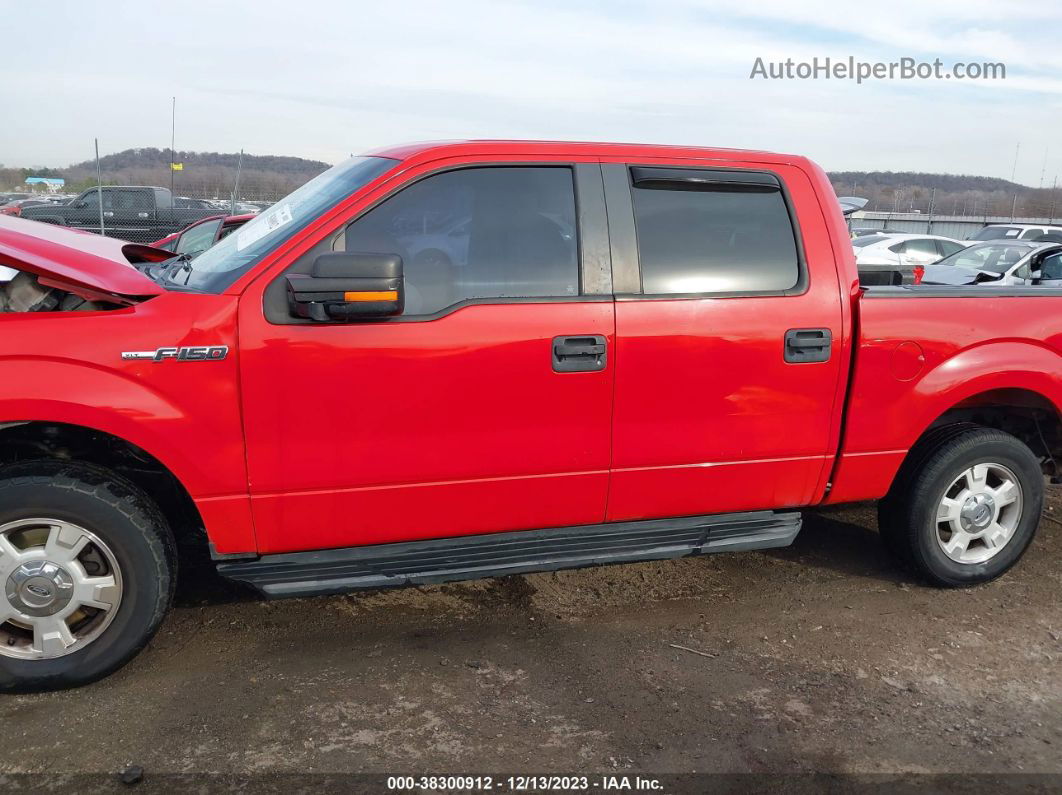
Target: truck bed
[925, 350]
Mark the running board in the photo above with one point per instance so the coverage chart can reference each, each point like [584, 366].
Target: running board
[333, 571]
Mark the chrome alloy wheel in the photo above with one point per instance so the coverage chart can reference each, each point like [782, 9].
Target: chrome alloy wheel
[60, 588]
[979, 513]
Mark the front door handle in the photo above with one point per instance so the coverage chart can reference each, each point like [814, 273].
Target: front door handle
[808, 345]
[579, 354]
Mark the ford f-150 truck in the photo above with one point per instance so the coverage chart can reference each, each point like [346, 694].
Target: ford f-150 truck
[129, 212]
[474, 359]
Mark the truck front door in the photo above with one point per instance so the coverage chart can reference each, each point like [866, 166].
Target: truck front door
[482, 408]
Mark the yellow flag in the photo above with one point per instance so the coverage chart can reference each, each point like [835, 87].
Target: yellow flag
[177, 166]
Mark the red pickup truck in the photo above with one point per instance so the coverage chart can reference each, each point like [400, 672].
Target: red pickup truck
[459, 360]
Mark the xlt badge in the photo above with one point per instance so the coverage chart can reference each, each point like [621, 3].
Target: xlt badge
[186, 353]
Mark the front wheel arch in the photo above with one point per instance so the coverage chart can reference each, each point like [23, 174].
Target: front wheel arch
[37, 440]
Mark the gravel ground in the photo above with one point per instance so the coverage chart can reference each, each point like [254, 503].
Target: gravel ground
[820, 657]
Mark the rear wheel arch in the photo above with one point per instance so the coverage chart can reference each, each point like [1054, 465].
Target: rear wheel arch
[1023, 413]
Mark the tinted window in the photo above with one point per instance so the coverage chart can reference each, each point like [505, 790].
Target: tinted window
[478, 233]
[92, 199]
[704, 241]
[1030, 234]
[868, 240]
[129, 199]
[947, 248]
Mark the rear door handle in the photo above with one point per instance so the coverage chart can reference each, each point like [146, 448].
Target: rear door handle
[579, 354]
[808, 345]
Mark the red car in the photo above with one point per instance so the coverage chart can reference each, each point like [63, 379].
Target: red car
[15, 206]
[447, 361]
[197, 237]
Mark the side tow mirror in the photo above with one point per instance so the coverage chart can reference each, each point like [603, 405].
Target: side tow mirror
[345, 287]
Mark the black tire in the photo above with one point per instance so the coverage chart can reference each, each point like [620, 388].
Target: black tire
[907, 516]
[124, 518]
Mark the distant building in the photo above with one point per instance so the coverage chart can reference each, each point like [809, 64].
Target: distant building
[53, 184]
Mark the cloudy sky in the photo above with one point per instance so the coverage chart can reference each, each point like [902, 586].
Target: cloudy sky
[325, 78]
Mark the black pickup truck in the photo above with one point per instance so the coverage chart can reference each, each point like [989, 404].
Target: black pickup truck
[139, 214]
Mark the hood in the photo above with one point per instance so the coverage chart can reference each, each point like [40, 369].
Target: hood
[72, 259]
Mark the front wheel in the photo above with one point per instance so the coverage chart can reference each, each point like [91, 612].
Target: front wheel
[965, 507]
[87, 569]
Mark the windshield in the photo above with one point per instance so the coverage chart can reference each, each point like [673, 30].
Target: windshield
[219, 266]
[997, 233]
[868, 240]
[996, 258]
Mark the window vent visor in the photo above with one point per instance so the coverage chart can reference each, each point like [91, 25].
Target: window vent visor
[704, 180]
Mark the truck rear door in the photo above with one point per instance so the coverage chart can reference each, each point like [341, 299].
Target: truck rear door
[486, 406]
[728, 328]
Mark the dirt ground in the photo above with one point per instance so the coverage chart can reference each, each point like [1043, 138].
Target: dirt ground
[820, 657]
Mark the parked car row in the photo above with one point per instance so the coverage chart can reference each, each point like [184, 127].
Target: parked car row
[1000, 263]
[998, 254]
[885, 259]
[132, 212]
[12, 203]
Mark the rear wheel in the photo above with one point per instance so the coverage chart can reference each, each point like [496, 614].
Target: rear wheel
[87, 569]
[965, 506]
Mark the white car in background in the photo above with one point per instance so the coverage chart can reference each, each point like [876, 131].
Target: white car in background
[1015, 231]
[885, 259]
[1001, 263]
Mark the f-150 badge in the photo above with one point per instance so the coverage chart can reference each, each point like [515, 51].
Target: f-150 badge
[195, 353]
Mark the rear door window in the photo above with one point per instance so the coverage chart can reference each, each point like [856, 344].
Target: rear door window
[712, 236]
